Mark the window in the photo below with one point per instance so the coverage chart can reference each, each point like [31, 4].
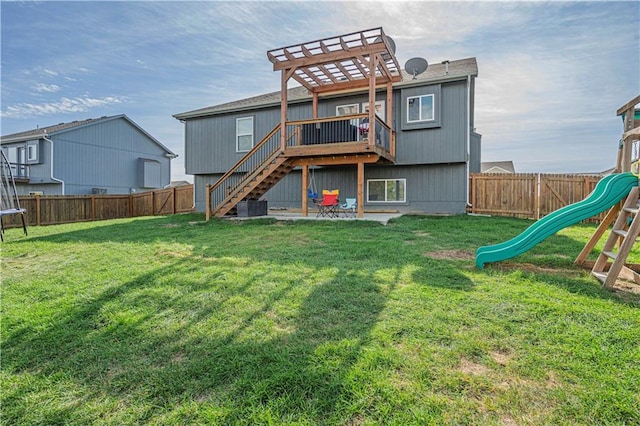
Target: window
[420, 108]
[244, 134]
[386, 190]
[32, 152]
[379, 109]
[347, 109]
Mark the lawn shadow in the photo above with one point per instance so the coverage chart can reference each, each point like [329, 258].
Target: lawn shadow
[143, 229]
[147, 340]
[253, 347]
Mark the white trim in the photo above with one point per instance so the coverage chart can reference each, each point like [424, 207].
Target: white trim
[238, 134]
[51, 161]
[420, 119]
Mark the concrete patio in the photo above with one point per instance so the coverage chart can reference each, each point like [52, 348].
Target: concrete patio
[382, 218]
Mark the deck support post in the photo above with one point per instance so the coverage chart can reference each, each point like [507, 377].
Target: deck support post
[207, 200]
[360, 193]
[283, 110]
[314, 105]
[389, 118]
[372, 99]
[305, 184]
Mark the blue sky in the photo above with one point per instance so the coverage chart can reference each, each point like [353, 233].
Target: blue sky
[551, 74]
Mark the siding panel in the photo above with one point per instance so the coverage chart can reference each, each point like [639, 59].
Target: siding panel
[105, 155]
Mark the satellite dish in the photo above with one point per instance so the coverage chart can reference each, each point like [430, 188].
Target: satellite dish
[391, 43]
[415, 66]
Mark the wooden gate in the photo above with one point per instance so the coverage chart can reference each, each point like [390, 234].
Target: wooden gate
[527, 195]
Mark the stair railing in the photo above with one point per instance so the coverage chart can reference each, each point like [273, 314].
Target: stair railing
[233, 178]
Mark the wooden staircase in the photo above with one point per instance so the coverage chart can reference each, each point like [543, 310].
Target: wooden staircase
[255, 185]
[251, 177]
[611, 262]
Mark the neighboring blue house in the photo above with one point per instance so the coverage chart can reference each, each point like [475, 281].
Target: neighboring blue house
[417, 158]
[107, 155]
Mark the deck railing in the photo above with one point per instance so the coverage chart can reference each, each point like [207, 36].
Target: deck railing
[348, 128]
[19, 170]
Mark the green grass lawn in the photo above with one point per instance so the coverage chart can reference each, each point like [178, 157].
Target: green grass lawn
[173, 321]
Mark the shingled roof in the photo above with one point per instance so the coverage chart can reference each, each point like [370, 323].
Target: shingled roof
[435, 73]
[52, 130]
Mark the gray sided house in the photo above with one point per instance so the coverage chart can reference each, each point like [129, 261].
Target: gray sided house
[431, 117]
[108, 155]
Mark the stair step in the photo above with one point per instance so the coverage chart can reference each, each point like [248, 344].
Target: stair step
[621, 232]
[601, 276]
[610, 254]
[632, 210]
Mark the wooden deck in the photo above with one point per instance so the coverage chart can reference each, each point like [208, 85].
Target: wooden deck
[338, 154]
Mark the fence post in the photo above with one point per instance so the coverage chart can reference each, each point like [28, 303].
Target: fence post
[38, 205]
[473, 193]
[93, 207]
[174, 200]
[536, 197]
[130, 205]
[153, 203]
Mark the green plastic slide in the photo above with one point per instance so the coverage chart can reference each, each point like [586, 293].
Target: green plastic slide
[609, 191]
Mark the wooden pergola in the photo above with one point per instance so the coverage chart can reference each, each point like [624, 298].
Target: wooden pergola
[346, 63]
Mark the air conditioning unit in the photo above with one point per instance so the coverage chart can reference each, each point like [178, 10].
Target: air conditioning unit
[98, 190]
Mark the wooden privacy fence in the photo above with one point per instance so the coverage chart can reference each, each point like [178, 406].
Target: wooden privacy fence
[55, 209]
[527, 195]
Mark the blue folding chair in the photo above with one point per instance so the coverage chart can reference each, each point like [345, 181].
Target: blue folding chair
[349, 207]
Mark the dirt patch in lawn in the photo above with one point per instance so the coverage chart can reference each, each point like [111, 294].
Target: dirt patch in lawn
[450, 255]
[472, 368]
[529, 267]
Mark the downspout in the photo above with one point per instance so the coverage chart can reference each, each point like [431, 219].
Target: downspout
[44, 136]
[468, 136]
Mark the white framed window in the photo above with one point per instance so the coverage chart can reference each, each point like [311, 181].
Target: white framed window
[347, 109]
[386, 190]
[32, 151]
[244, 134]
[420, 108]
[380, 109]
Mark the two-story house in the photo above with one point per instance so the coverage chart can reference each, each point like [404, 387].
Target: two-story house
[108, 155]
[282, 145]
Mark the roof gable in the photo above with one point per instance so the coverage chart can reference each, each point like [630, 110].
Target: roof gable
[60, 128]
[497, 167]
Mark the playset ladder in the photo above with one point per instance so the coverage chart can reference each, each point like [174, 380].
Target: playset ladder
[625, 231]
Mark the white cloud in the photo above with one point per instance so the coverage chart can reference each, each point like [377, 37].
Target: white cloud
[64, 105]
[50, 88]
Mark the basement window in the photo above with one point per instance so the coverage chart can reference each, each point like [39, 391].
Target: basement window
[386, 190]
[244, 134]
